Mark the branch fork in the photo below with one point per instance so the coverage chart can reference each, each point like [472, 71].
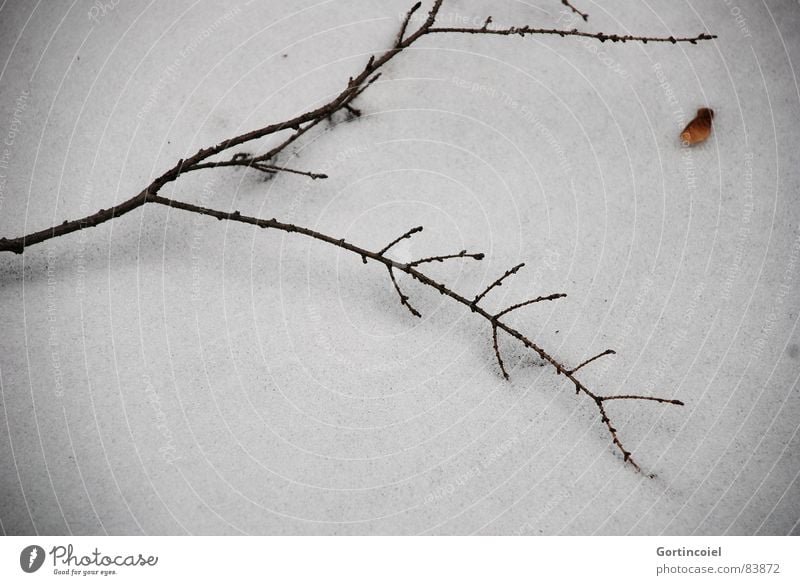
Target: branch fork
[303, 123]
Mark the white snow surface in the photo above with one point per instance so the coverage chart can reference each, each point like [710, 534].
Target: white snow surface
[165, 373]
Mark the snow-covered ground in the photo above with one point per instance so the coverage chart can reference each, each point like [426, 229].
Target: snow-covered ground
[164, 373]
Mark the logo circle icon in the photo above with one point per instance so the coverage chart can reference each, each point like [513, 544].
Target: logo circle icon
[31, 558]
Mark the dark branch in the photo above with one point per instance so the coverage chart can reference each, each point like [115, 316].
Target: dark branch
[569, 5]
[591, 359]
[497, 352]
[276, 169]
[530, 302]
[626, 455]
[498, 282]
[461, 254]
[403, 28]
[635, 397]
[405, 236]
[403, 298]
[301, 124]
[602, 37]
[254, 164]
[393, 265]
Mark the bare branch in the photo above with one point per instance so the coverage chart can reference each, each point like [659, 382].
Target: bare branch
[635, 397]
[301, 124]
[591, 359]
[254, 164]
[403, 298]
[626, 455]
[434, 12]
[405, 236]
[461, 254]
[569, 5]
[602, 37]
[393, 265]
[403, 28]
[498, 282]
[530, 302]
[272, 153]
[497, 352]
[18, 245]
[275, 169]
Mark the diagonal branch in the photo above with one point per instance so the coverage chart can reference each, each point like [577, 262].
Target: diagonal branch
[405, 236]
[403, 297]
[498, 282]
[591, 359]
[626, 455]
[304, 122]
[275, 169]
[404, 26]
[443, 289]
[569, 5]
[254, 164]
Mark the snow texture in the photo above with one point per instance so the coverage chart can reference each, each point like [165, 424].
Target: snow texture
[167, 374]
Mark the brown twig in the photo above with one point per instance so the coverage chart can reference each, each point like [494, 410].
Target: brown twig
[496, 283]
[405, 236]
[497, 352]
[404, 26]
[530, 302]
[591, 359]
[602, 37]
[569, 5]
[461, 254]
[403, 298]
[253, 164]
[636, 397]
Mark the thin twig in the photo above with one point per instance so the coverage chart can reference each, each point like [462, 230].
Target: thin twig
[461, 254]
[405, 236]
[569, 5]
[254, 164]
[498, 282]
[530, 302]
[403, 297]
[404, 26]
[497, 352]
[591, 359]
[602, 37]
[275, 169]
[636, 397]
[626, 455]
